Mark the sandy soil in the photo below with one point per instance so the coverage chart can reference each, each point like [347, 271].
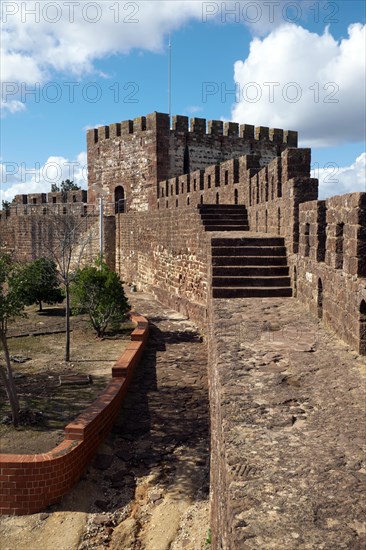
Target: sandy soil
[38, 378]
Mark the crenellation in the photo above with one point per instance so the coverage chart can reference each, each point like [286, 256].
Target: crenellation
[115, 130]
[37, 198]
[262, 133]
[103, 133]
[246, 131]
[229, 172]
[248, 162]
[172, 185]
[295, 163]
[127, 127]
[20, 199]
[185, 184]
[276, 135]
[215, 127]
[197, 179]
[139, 124]
[180, 123]
[92, 137]
[312, 230]
[212, 177]
[290, 137]
[197, 125]
[156, 122]
[231, 129]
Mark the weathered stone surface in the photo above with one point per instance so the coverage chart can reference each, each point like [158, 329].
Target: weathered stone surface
[288, 430]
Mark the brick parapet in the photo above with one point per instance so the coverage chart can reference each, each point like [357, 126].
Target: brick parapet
[183, 125]
[30, 483]
[287, 176]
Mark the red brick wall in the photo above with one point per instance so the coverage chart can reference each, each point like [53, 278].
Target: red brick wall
[29, 483]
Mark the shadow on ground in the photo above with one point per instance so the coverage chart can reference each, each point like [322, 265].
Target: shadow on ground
[163, 427]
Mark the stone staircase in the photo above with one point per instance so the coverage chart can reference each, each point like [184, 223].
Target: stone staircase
[224, 217]
[250, 267]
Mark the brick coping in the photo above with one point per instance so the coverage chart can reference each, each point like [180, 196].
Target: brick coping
[29, 483]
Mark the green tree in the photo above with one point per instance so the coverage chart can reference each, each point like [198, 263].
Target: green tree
[11, 306]
[99, 292]
[5, 206]
[38, 282]
[65, 186]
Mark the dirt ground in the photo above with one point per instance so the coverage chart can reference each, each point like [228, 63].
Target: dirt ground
[39, 339]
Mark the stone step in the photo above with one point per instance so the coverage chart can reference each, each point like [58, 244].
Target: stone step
[224, 216]
[226, 227]
[248, 241]
[241, 251]
[250, 271]
[225, 221]
[252, 292]
[245, 282]
[226, 207]
[237, 261]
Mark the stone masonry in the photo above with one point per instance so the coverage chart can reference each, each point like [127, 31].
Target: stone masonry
[218, 221]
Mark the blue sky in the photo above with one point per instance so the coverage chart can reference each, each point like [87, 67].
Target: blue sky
[294, 65]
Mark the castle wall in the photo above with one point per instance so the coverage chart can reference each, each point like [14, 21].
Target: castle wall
[165, 249]
[126, 154]
[195, 147]
[28, 233]
[166, 253]
[331, 264]
[137, 154]
[281, 200]
[271, 194]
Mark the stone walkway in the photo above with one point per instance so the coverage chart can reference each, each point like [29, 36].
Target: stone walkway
[291, 426]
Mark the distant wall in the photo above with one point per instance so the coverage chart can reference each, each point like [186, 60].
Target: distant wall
[77, 196]
[26, 231]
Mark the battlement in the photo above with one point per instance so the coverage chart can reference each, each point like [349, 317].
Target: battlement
[79, 195]
[39, 204]
[157, 122]
[256, 184]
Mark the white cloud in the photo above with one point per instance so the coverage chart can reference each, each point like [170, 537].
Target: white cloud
[12, 106]
[33, 48]
[82, 34]
[18, 180]
[324, 76]
[337, 180]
